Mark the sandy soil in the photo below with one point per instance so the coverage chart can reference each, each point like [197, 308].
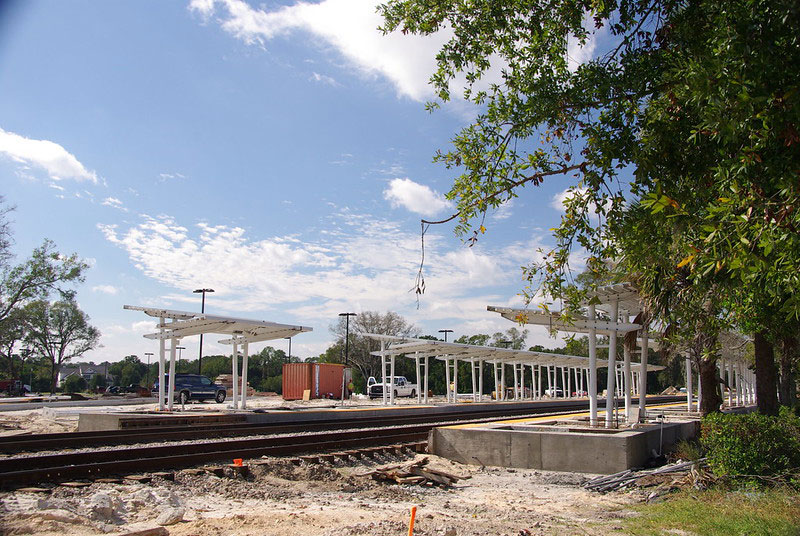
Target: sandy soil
[279, 498]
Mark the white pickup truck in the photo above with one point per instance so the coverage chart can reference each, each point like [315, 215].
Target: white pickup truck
[402, 387]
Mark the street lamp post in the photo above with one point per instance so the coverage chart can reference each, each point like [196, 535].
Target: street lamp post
[148, 354]
[445, 331]
[347, 337]
[180, 352]
[202, 310]
[346, 346]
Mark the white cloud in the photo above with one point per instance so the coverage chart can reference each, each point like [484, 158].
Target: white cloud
[350, 26]
[53, 158]
[505, 211]
[169, 176]
[415, 197]
[360, 262]
[113, 202]
[106, 289]
[322, 79]
[578, 54]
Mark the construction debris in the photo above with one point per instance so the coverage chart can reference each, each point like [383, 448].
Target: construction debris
[416, 472]
[667, 477]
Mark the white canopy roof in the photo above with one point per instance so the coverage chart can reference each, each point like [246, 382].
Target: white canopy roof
[411, 347]
[186, 324]
[553, 321]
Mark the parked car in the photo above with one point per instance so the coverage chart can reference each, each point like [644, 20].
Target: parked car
[194, 387]
[402, 387]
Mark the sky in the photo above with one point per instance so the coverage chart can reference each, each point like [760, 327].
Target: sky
[277, 152]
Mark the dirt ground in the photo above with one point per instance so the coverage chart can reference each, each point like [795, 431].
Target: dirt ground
[279, 498]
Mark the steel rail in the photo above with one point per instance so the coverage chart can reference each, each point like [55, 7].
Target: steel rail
[70, 440]
[125, 461]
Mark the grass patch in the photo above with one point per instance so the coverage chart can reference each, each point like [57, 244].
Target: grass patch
[772, 512]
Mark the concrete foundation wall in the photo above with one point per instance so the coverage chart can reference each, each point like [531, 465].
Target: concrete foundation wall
[555, 450]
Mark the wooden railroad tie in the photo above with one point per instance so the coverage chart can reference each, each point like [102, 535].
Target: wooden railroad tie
[416, 472]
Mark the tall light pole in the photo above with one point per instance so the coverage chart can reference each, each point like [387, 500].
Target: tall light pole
[347, 336]
[202, 310]
[180, 351]
[289, 360]
[445, 331]
[148, 354]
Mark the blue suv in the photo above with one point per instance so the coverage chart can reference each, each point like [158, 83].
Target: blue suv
[194, 387]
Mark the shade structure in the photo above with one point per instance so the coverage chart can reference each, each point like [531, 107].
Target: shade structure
[606, 310]
[174, 325]
[540, 363]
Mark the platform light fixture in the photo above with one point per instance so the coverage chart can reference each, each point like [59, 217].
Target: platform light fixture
[445, 331]
[347, 337]
[289, 358]
[202, 310]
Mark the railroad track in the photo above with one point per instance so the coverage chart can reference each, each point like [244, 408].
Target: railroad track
[20, 471]
[75, 440]
[16, 472]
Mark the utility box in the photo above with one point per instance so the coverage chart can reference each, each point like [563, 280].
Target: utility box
[323, 380]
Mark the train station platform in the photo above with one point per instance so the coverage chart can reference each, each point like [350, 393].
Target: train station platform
[117, 420]
[565, 443]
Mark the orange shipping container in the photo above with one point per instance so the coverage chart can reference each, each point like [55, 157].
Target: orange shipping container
[323, 380]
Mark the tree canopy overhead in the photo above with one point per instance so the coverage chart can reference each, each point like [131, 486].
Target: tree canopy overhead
[696, 101]
[679, 139]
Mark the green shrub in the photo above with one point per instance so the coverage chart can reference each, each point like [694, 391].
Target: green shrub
[74, 384]
[752, 444]
[272, 384]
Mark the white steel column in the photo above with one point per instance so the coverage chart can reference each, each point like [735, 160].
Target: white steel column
[235, 374]
[568, 370]
[171, 390]
[688, 385]
[447, 378]
[626, 376]
[455, 379]
[391, 385]
[564, 382]
[739, 384]
[516, 381]
[480, 379]
[161, 366]
[426, 379]
[245, 350]
[643, 373]
[730, 382]
[503, 379]
[496, 382]
[612, 365]
[549, 383]
[699, 389]
[474, 379]
[384, 394]
[592, 367]
[419, 378]
[538, 382]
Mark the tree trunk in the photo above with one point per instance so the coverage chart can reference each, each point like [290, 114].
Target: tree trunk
[788, 387]
[766, 375]
[709, 381]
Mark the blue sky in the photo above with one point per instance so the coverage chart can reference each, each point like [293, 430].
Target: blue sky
[278, 152]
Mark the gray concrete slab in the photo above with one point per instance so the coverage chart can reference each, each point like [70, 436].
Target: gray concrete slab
[557, 447]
